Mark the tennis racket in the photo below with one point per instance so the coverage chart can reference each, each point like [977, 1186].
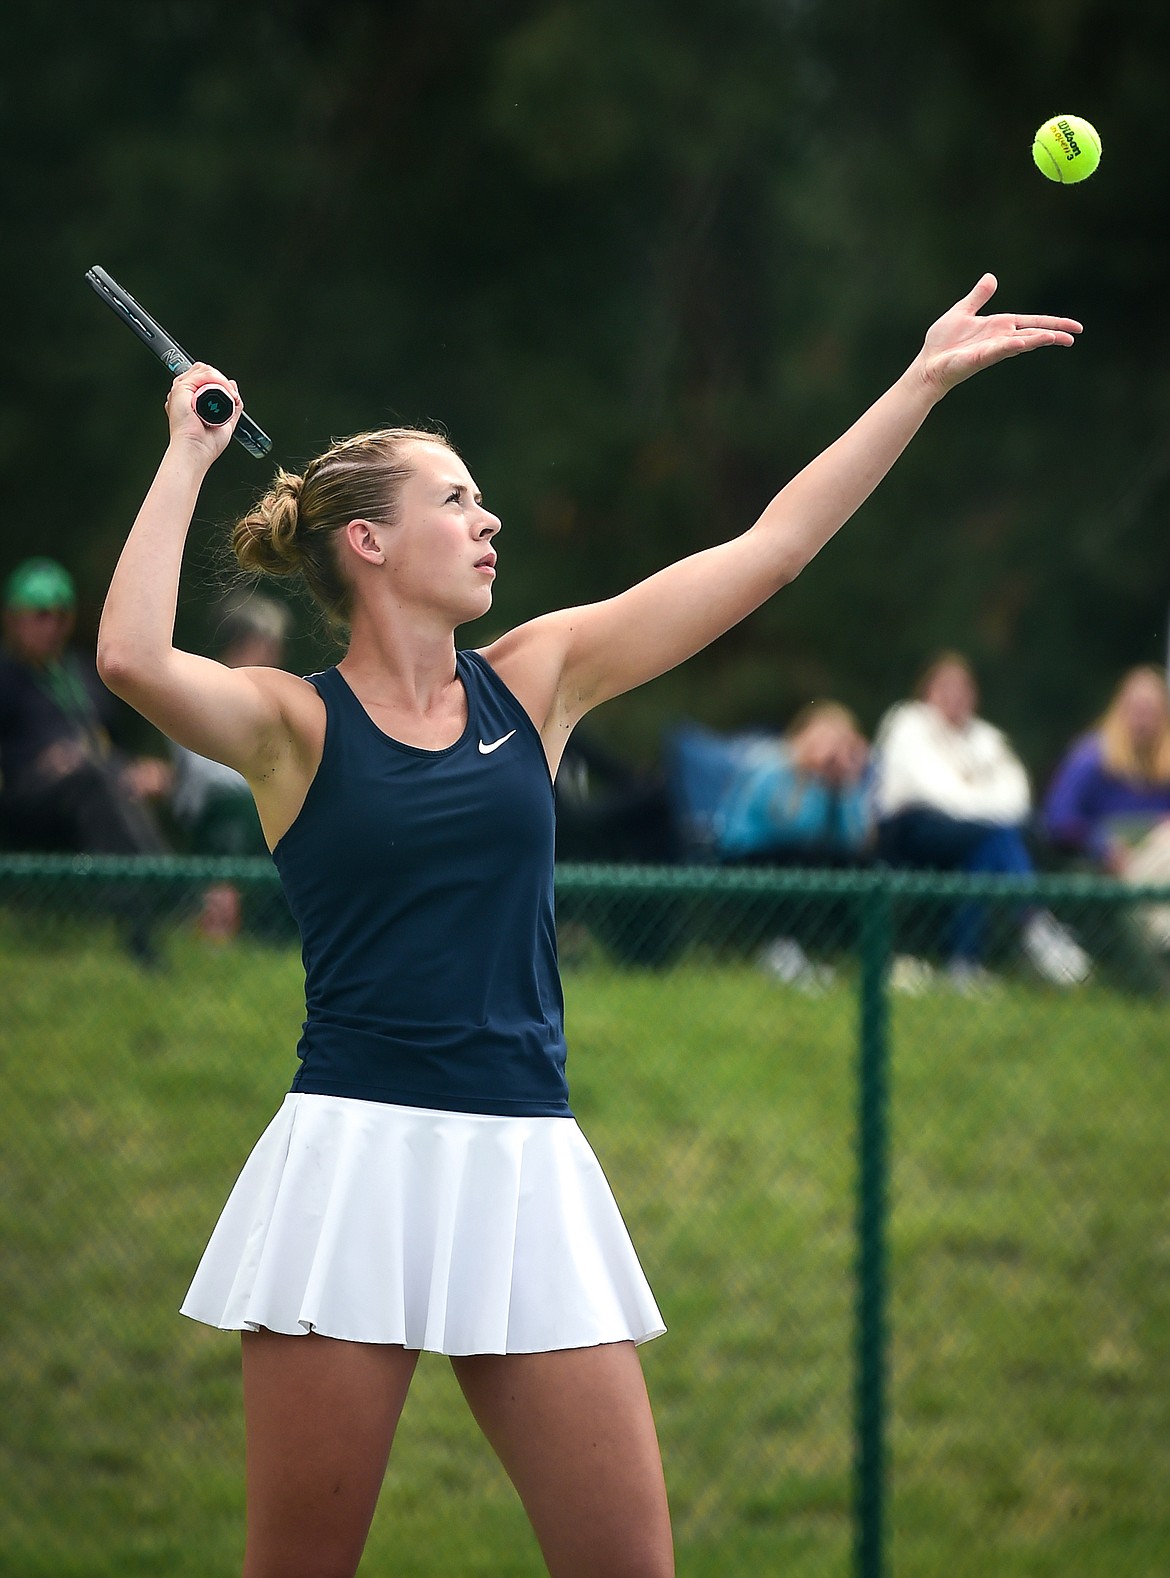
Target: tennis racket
[213, 403]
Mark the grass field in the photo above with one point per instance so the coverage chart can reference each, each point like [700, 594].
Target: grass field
[1030, 1278]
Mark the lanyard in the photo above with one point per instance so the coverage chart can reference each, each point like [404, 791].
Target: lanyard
[65, 687]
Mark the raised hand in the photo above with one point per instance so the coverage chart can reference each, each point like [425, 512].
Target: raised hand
[186, 426]
[962, 343]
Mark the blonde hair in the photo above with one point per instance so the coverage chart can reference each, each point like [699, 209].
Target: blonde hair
[290, 531]
[1143, 764]
[821, 712]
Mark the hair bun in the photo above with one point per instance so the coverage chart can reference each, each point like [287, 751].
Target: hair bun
[265, 539]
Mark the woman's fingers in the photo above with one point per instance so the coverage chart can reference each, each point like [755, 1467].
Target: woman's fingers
[980, 293]
[184, 418]
[1067, 326]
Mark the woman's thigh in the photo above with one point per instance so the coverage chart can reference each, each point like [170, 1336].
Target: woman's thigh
[929, 838]
[575, 1433]
[320, 1417]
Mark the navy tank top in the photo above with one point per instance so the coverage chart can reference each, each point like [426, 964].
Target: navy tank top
[422, 885]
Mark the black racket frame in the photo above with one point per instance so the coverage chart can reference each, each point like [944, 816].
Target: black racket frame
[168, 350]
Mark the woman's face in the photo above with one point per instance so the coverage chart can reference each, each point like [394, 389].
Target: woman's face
[38, 635]
[439, 553]
[830, 749]
[952, 691]
[1143, 708]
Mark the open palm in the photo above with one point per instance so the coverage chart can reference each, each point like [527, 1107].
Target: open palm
[962, 342]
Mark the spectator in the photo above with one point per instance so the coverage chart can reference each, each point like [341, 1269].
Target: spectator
[756, 799]
[63, 786]
[1112, 790]
[1109, 807]
[951, 795]
[799, 799]
[212, 803]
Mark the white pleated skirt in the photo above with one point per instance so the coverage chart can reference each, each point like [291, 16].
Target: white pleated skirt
[454, 1232]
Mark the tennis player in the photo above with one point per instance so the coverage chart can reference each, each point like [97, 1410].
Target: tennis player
[424, 1185]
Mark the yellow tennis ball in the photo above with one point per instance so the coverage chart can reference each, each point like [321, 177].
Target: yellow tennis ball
[1066, 149]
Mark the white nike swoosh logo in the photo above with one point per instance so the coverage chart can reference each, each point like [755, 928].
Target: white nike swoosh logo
[486, 750]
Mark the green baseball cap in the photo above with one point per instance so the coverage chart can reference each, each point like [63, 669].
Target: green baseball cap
[39, 583]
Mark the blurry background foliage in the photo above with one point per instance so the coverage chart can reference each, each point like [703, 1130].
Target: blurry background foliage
[643, 260]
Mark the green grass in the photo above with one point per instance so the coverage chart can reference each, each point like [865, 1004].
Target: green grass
[1030, 1425]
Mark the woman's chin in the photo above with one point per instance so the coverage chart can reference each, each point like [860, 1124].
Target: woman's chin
[474, 608]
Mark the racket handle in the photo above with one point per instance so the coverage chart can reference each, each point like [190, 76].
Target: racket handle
[214, 405]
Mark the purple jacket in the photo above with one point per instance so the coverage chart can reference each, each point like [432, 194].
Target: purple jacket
[1085, 796]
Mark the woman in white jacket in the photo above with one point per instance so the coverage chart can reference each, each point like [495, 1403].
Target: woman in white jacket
[952, 795]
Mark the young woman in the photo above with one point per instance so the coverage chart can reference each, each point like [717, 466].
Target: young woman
[1108, 807]
[952, 795]
[1111, 792]
[424, 1184]
[799, 798]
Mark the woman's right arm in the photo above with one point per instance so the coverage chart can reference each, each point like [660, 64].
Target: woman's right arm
[236, 716]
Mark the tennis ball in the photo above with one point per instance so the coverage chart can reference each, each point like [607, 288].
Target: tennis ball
[1066, 149]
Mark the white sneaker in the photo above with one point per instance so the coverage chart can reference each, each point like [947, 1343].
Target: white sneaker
[1053, 951]
[911, 976]
[785, 960]
[970, 979]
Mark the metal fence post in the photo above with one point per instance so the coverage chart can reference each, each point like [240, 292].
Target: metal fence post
[875, 907]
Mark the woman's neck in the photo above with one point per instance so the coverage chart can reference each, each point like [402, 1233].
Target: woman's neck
[408, 663]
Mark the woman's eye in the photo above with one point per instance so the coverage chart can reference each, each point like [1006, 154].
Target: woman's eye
[454, 497]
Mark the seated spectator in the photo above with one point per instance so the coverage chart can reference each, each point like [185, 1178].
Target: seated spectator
[1113, 787]
[63, 786]
[799, 799]
[212, 803]
[758, 799]
[1108, 806]
[951, 795]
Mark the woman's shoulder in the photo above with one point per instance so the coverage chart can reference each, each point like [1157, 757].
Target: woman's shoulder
[291, 690]
[1085, 752]
[902, 719]
[518, 662]
[299, 701]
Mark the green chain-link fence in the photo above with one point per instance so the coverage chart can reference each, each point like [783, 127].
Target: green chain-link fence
[908, 1224]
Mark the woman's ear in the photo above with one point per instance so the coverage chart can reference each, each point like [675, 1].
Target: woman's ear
[362, 537]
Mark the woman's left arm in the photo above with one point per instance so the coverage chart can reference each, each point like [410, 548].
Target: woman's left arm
[604, 649]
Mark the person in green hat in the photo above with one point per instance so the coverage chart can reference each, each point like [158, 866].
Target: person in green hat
[40, 585]
[63, 786]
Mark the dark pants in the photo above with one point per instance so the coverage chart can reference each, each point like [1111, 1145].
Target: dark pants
[610, 812]
[87, 811]
[811, 857]
[929, 840]
[84, 812]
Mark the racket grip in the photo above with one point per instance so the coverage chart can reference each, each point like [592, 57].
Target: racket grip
[214, 405]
